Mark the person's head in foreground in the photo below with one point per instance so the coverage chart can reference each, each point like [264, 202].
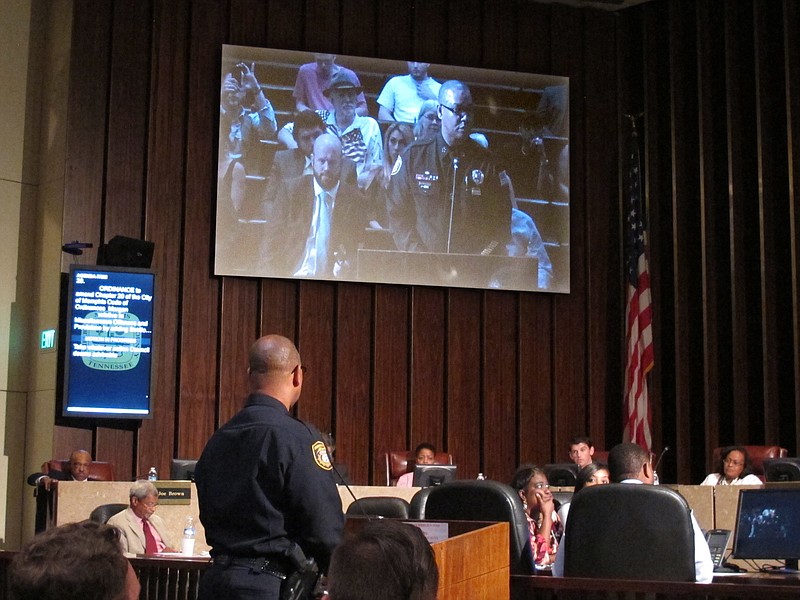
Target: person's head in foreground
[630, 461]
[77, 561]
[386, 560]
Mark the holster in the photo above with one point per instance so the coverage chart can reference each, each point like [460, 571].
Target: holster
[300, 583]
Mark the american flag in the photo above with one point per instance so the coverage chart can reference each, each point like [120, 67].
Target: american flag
[639, 332]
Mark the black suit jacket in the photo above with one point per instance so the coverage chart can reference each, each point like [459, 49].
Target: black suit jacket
[59, 475]
[289, 215]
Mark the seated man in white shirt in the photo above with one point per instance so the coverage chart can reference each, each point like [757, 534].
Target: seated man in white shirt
[630, 464]
[141, 530]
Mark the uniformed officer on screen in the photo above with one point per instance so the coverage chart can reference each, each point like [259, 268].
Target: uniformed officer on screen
[446, 193]
[265, 486]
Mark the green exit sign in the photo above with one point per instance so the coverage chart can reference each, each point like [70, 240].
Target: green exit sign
[48, 339]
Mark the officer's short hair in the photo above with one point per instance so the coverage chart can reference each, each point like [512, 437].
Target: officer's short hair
[386, 560]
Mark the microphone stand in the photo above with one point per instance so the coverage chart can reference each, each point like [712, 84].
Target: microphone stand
[452, 202]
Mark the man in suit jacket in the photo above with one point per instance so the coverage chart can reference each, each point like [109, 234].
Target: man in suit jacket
[315, 222]
[131, 522]
[79, 462]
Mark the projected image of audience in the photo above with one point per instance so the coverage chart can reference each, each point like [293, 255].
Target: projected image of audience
[414, 173]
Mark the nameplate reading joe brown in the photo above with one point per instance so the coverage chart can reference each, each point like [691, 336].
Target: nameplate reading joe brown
[174, 492]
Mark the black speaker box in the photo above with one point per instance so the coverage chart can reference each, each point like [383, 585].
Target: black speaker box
[123, 251]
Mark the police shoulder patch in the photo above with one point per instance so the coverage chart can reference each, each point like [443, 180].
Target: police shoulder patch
[397, 164]
[320, 454]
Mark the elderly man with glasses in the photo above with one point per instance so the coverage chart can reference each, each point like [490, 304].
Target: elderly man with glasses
[141, 530]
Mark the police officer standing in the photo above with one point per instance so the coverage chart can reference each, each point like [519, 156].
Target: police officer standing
[446, 194]
[265, 485]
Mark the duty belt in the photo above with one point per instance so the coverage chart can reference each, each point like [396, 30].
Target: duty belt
[261, 564]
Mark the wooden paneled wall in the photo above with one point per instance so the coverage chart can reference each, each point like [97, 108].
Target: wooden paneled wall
[495, 378]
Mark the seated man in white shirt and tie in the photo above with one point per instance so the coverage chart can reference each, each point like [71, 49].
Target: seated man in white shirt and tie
[141, 530]
[315, 222]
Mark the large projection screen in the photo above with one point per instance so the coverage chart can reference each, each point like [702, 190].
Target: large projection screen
[490, 210]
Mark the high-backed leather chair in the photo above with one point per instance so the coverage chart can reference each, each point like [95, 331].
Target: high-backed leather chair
[400, 462]
[485, 500]
[104, 512]
[418, 502]
[98, 470]
[380, 506]
[628, 531]
[757, 455]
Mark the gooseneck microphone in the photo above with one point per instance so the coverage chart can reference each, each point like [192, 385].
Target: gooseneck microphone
[452, 203]
[660, 456]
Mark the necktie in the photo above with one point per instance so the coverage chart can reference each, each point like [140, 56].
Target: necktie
[323, 232]
[149, 539]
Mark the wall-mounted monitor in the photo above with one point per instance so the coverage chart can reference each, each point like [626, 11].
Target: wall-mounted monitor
[109, 342]
[428, 475]
[480, 201]
[768, 525]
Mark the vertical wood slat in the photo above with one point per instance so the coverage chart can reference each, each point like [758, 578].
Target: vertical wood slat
[774, 216]
[603, 399]
[499, 385]
[391, 374]
[85, 145]
[164, 217]
[196, 411]
[127, 120]
[428, 359]
[792, 61]
[569, 320]
[685, 219]
[714, 223]
[463, 418]
[353, 356]
[742, 177]
[317, 344]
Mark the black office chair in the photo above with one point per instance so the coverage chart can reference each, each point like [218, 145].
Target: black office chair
[379, 506]
[418, 502]
[104, 512]
[628, 531]
[485, 500]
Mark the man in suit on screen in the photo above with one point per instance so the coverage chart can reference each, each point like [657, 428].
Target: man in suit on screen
[315, 222]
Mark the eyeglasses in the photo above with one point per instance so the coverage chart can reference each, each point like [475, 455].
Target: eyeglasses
[541, 486]
[431, 117]
[149, 504]
[730, 461]
[460, 112]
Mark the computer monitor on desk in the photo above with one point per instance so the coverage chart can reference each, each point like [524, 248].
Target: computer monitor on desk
[428, 475]
[782, 469]
[183, 469]
[768, 526]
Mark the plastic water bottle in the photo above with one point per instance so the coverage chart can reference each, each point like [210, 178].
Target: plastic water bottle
[187, 544]
[481, 477]
[152, 474]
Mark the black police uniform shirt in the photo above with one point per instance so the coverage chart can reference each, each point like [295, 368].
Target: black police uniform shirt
[264, 480]
[421, 186]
